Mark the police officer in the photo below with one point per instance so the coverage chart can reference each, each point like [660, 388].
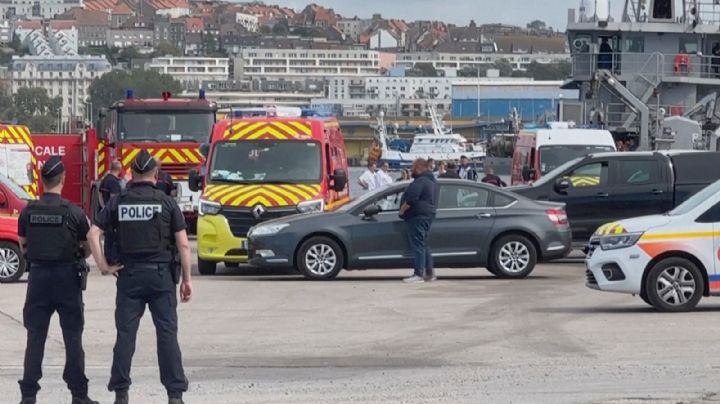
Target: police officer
[53, 236]
[110, 186]
[164, 181]
[150, 228]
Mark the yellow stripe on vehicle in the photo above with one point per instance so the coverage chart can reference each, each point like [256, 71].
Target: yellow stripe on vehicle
[130, 156]
[241, 134]
[289, 195]
[260, 199]
[670, 236]
[302, 127]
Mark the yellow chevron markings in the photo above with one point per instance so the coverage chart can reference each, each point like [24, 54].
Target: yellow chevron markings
[240, 134]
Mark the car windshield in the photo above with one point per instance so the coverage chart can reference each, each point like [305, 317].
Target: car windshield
[696, 200]
[16, 189]
[166, 126]
[556, 172]
[552, 157]
[266, 161]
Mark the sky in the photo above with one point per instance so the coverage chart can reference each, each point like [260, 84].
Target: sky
[459, 12]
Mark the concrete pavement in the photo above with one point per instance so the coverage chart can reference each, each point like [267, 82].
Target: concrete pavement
[367, 338]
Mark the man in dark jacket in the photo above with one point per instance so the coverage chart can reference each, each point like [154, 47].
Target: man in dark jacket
[491, 178]
[451, 171]
[419, 203]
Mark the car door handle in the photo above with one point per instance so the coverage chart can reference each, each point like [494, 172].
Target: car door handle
[484, 215]
[657, 191]
[602, 195]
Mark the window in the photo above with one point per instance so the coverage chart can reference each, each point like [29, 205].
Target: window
[391, 202]
[501, 201]
[689, 45]
[712, 215]
[589, 175]
[637, 172]
[461, 197]
[634, 45]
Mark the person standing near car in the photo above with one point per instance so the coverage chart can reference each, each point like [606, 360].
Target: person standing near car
[383, 177]
[467, 172]
[149, 226]
[417, 208]
[110, 184]
[368, 180]
[53, 236]
[491, 178]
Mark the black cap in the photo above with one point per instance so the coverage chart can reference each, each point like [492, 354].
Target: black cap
[144, 162]
[53, 167]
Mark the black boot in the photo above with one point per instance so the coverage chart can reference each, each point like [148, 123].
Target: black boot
[28, 400]
[83, 400]
[121, 397]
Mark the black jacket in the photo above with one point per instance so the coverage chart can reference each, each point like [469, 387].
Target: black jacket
[421, 195]
[450, 174]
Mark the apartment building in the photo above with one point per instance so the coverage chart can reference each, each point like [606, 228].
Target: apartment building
[450, 63]
[64, 76]
[300, 64]
[37, 10]
[192, 71]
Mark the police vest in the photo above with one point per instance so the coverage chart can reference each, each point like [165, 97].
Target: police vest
[49, 236]
[141, 230]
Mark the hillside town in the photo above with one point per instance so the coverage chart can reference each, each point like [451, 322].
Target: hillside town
[252, 53]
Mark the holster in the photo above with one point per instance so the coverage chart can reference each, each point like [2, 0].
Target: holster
[83, 270]
[175, 270]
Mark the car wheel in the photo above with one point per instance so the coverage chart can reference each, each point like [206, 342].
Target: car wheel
[645, 299]
[207, 267]
[513, 256]
[674, 284]
[12, 262]
[320, 258]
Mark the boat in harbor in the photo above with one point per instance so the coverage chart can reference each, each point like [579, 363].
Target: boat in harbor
[440, 145]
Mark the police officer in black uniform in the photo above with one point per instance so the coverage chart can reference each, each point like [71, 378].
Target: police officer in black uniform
[165, 182]
[53, 236]
[150, 229]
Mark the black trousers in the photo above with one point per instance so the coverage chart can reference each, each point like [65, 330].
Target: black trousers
[54, 289]
[138, 286]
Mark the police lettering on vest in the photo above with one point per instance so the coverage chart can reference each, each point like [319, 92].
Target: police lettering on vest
[138, 213]
[49, 236]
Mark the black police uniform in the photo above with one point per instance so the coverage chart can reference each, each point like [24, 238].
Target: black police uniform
[110, 185]
[165, 183]
[53, 229]
[145, 220]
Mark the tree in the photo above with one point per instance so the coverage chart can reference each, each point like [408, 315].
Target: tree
[164, 48]
[537, 25]
[281, 28]
[479, 71]
[126, 55]
[504, 66]
[31, 107]
[549, 71]
[112, 86]
[422, 70]
[265, 30]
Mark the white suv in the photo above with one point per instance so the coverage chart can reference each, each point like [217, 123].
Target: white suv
[670, 260]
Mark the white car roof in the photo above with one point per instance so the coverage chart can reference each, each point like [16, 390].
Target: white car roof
[595, 137]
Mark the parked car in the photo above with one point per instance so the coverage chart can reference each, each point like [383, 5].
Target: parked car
[477, 225]
[669, 260]
[605, 187]
[12, 261]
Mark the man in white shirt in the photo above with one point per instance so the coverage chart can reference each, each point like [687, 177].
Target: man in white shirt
[383, 176]
[368, 181]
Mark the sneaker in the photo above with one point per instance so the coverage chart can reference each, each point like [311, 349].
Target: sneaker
[121, 397]
[28, 400]
[83, 400]
[414, 279]
[431, 279]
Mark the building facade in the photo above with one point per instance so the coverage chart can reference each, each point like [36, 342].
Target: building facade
[135, 37]
[450, 63]
[192, 72]
[67, 77]
[299, 64]
[37, 10]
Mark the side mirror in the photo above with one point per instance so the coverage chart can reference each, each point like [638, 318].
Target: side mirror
[195, 180]
[340, 178]
[3, 200]
[205, 149]
[371, 211]
[562, 184]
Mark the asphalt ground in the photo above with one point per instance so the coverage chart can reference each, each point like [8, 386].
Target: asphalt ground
[252, 337]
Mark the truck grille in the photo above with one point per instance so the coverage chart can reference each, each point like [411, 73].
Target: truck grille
[241, 220]
[590, 278]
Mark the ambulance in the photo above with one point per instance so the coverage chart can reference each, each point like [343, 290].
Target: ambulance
[671, 260]
[264, 167]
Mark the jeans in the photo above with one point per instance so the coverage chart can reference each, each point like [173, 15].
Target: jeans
[54, 289]
[418, 229]
[138, 286]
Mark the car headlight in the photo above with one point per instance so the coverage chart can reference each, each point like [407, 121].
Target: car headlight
[209, 208]
[618, 241]
[316, 205]
[267, 229]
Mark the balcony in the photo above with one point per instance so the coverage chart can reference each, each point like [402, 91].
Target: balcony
[657, 67]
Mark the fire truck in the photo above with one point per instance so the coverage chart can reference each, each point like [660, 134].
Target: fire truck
[171, 129]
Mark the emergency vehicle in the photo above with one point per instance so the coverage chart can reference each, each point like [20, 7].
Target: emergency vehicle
[171, 129]
[671, 261]
[264, 167]
[539, 151]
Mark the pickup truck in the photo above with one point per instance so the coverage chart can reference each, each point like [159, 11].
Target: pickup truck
[605, 187]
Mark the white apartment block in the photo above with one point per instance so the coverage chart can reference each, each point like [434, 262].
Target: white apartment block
[249, 21]
[353, 27]
[450, 63]
[300, 64]
[388, 88]
[37, 9]
[67, 77]
[192, 71]
[5, 32]
[176, 12]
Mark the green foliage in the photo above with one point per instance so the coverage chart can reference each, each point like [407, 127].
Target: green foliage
[479, 71]
[504, 66]
[537, 25]
[164, 48]
[550, 71]
[281, 28]
[265, 30]
[32, 107]
[422, 70]
[112, 86]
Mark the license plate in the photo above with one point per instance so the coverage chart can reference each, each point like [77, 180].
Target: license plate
[244, 245]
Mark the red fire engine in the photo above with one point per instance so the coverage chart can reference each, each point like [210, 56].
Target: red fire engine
[171, 129]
